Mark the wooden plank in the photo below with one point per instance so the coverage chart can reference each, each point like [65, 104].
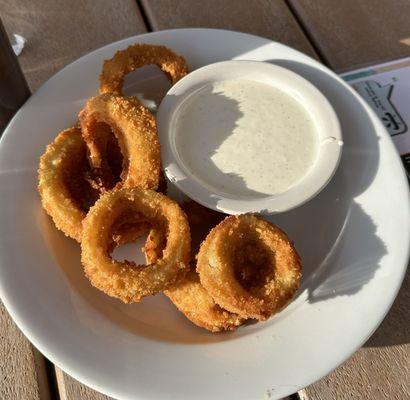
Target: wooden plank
[271, 19]
[381, 368]
[22, 368]
[59, 31]
[354, 33]
[70, 389]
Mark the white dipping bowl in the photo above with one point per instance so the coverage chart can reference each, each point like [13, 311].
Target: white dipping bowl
[329, 137]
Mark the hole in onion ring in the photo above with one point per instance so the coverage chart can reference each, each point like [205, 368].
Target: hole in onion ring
[79, 189]
[111, 153]
[149, 84]
[132, 227]
[141, 250]
[130, 251]
[253, 263]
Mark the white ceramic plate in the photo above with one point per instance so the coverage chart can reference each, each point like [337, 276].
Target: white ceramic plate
[353, 238]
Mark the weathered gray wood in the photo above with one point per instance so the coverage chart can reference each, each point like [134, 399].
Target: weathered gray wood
[271, 19]
[354, 33]
[381, 368]
[70, 389]
[60, 31]
[22, 367]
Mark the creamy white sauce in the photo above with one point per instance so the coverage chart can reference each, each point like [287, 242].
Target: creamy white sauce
[245, 138]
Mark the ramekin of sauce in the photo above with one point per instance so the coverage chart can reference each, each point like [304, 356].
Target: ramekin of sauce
[248, 136]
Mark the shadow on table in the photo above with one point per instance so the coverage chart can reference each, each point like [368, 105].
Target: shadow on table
[395, 328]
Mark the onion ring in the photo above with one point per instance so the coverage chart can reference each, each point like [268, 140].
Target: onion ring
[188, 295]
[191, 298]
[249, 266]
[135, 130]
[126, 280]
[65, 194]
[136, 56]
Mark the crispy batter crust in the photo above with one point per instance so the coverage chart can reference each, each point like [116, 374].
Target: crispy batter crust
[191, 298]
[249, 266]
[136, 56]
[126, 280]
[136, 132]
[62, 188]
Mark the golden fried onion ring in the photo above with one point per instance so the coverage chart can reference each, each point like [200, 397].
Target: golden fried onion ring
[136, 56]
[191, 298]
[188, 295]
[135, 130]
[65, 194]
[126, 280]
[249, 267]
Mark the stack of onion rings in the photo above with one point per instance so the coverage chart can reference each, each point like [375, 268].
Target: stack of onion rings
[188, 295]
[98, 181]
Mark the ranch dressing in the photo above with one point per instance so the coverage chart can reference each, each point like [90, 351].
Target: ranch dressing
[245, 138]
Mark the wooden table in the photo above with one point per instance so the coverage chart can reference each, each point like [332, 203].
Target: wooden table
[342, 34]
